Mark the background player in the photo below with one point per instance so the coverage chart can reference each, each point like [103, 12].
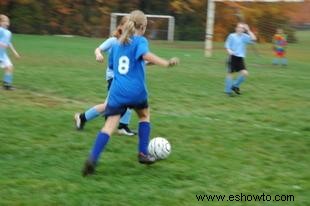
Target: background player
[236, 47]
[5, 42]
[279, 48]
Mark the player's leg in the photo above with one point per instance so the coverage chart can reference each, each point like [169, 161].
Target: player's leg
[124, 122]
[243, 73]
[101, 141]
[92, 113]
[229, 76]
[283, 59]
[8, 74]
[240, 79]
[228, 84]
[144, 136]
[275, 60]
[81, 118]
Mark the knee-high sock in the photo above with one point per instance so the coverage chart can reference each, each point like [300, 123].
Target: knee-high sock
[126, 117]
[239, 81]
[228, 84]
[275, 61]
[101, 141]
[91, 113]
[284, 61]
[144, 136]
[8, 78]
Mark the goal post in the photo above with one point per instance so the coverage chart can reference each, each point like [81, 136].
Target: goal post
[171, 23]
[210, 20]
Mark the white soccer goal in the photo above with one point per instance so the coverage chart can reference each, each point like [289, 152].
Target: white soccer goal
[210, 20]
[171, 22]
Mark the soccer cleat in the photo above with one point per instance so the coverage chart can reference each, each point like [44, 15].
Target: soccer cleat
[236, 89]
[89, 168]
[79, 124]
[146, 159]
[124, 130]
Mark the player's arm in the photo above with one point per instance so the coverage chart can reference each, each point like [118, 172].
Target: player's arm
[98, 55]
[14, 50]
[227, 45]
[3, 45]
[229, 51]
[248, 30]
[104, 47]
[154, 59]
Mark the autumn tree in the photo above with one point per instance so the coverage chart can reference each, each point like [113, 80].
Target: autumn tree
[92, 17]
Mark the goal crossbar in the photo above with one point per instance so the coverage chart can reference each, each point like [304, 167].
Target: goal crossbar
[171, 22]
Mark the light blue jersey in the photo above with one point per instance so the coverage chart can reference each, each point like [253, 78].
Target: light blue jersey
[128, 87]
[106, 47]
[5, 38]
[237, 43]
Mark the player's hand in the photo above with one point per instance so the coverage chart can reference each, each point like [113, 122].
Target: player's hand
[246, 27]
[99, 58]
[173, 61]
[230, 52]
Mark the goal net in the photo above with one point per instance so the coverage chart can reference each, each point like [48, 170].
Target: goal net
[263, 16]
[160, 27]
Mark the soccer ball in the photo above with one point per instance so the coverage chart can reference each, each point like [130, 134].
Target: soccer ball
[159, 147]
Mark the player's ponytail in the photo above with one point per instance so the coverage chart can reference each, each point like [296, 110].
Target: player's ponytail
[129, 30]
[136, 20]
[119, 30]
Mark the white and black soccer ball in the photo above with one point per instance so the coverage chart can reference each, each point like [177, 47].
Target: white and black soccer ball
[159, 148]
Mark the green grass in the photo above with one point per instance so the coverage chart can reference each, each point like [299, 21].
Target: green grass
[252, 144]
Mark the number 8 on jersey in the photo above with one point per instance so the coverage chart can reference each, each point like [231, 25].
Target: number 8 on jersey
[123, 65]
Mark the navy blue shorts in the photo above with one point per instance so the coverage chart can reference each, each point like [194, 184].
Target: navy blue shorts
[111, 111]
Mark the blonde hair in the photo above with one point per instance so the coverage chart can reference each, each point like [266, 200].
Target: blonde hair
[3, 18]
[118, 32]
[136, 20]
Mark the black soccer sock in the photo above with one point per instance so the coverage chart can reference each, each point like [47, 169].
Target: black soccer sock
[83, 118]
[122, 125]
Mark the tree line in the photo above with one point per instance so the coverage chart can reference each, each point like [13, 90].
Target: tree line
[92, 17]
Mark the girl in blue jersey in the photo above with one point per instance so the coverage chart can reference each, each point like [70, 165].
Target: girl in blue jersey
[5, 42]
[128, 89]
[95, 111]
[236, 47]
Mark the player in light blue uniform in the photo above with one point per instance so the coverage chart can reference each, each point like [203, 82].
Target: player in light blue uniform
[236, 47]
[128, 89]
[95, 111]
[5, 42]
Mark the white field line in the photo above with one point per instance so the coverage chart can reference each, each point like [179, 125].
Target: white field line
[180, 115]
[57, 98]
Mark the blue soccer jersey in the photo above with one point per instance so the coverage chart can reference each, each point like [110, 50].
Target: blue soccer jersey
[237, 43]
[5, 38]
[106, 47]
[128, 86]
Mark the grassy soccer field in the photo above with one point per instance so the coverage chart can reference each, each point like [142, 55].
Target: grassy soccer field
[251, 144]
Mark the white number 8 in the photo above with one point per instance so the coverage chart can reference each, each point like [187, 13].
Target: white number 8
[123, 65]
